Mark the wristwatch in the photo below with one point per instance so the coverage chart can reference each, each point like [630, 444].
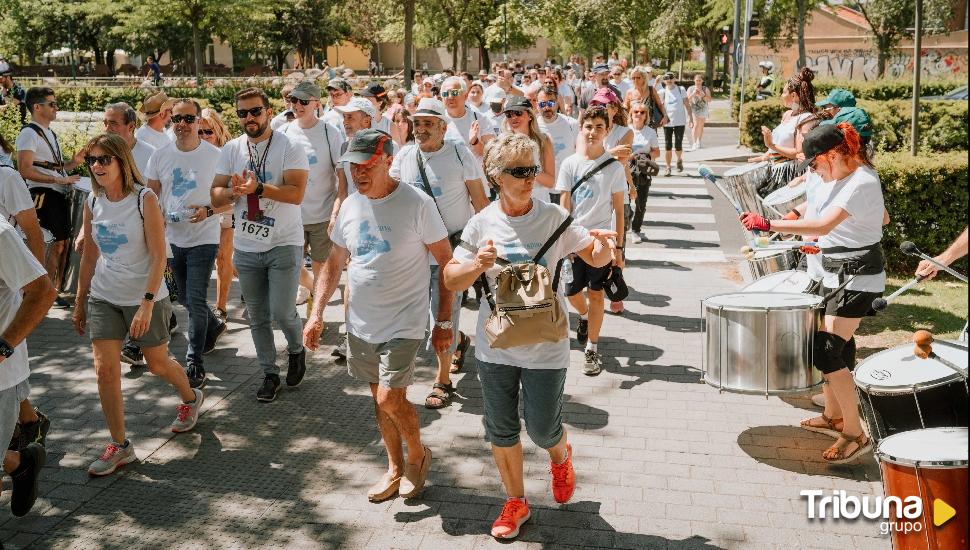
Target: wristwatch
[259, 189]
[208, 211]
[149, 296]
[444, 325]
[6, 350]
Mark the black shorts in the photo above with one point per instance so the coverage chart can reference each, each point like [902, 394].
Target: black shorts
[587, 276]
[850, 304]
[53, 212]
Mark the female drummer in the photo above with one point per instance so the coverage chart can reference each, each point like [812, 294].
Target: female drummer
[847, 213]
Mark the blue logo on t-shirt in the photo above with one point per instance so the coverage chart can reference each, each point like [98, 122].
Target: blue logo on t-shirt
[585, 190]
[311, 157]
[516, 253]
[183, 184]
[108, 240]
[558, 147]
[370, 244]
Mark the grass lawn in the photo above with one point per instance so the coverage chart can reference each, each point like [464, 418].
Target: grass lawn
[939, 306]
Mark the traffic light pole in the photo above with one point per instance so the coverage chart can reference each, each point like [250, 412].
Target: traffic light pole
[748, 9]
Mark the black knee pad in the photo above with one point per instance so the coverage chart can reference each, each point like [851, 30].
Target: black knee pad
[827, 352]
[848, 354]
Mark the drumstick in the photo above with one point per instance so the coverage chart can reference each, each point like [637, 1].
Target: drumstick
[924, 349]
[766, 242]
[880, 304]
[706, 173]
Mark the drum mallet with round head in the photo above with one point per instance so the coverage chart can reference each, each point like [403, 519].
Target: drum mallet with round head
[911, 249]
[924, 350]
[880, 304]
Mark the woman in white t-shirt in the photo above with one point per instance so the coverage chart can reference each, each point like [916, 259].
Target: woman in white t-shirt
[521, 119]
[646, 148]
[121, 292]
[514, 228]
[212, 130]
[679, 115]
[847, 212]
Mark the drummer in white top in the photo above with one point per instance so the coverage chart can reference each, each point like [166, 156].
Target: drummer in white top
[785, 140]
[847, 212]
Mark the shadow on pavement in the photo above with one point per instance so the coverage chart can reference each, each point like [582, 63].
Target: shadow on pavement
[793, 449]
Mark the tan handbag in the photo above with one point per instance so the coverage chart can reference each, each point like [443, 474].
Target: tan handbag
[525, 309]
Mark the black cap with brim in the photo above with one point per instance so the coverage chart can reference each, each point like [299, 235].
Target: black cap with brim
[517, 103]
[822, 139]
[366, 146]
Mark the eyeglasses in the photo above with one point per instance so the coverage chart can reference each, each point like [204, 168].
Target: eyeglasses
[451, 93]
[188, 119]
[597, 104]
[103, 160]
[295, 100]
[53, 104]
[544, 104]
[639, 112]
[206, 132]
[254, 111]
[523, 172]
[514, 114]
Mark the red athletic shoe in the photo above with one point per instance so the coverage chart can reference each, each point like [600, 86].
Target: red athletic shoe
[563, 478]
[514, 514]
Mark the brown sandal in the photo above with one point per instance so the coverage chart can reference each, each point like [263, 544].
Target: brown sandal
[441, 392]
[862, 442]
[830, 428]
[458, 359]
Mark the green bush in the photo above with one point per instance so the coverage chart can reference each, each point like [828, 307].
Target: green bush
[927, 200]
[943, 124]
[94, 98]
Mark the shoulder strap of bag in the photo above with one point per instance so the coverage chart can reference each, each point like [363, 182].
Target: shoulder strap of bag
[553, 238]
[55, 152]
[139, 202]
[591, 173]
[424, 175]
[326, 134]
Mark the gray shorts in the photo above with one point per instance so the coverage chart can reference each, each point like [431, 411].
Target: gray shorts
[107, 321]
[390, 364]
[317, 239]
[10, 399]
[455, 309]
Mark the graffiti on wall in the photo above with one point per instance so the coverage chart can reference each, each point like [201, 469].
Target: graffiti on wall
[862, 64]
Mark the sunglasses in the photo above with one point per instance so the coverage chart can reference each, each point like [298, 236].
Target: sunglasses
[53, 104]
[523, 172]
[514, 114]
[544, 104]
[295, 100]
[103, 160]
[639, 112]
[451, 93]
[254, 111]
[188, 119]
[206, 132]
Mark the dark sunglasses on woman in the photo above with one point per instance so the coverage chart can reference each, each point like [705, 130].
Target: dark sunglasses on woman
[103, 160]
[523, 172]
[206, 132]
[514, 114]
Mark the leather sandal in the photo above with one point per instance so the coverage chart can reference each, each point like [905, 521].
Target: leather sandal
[415, 476]
[863, 445]
[384, 489]
[830, 428]
[458, 358]
[441, 392]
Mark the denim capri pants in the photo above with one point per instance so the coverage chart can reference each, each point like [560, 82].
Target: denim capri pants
[541, 391]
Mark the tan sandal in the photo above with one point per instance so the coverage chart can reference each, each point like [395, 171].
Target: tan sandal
[863, 445]
[830, 428]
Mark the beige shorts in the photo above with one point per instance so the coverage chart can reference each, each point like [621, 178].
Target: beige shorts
[390, 364]
[316, 236]
[107, 321]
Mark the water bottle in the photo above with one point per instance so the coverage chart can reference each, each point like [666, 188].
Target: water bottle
[567, 270]
[182, 215]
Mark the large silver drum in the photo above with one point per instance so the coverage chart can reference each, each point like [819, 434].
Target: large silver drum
[768, 261]
[760, 342]
[785, 199]
[743, 182]
[783, 281]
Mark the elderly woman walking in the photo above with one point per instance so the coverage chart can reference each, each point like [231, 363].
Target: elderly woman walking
[518, 229]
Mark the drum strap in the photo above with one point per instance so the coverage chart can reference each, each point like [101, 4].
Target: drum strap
[872, 262]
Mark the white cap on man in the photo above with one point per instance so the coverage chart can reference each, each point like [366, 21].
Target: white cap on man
[358, 104]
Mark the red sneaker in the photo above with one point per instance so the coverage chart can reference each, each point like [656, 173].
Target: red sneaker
[563, 478]
[514, 514]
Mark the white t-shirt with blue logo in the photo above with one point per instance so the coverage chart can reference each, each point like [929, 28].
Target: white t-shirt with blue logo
[448, 168]
[322, 144]
[388, 273]
[593, 201]
[186, 179]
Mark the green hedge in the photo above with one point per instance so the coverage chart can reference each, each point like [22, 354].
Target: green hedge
[927, 201]
[943, 124]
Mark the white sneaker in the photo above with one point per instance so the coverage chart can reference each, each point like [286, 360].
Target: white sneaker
[114, 456]
[593, 364]
[188, 413]
[302, 295]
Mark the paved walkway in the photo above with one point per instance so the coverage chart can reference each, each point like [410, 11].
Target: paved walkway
[662, 460]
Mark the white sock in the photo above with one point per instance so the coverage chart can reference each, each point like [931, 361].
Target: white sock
[590, 346]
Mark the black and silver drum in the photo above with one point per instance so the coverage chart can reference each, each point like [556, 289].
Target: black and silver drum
[760, 342]
[784, 199]
[772, 260]
[743, 182]
[899, 392]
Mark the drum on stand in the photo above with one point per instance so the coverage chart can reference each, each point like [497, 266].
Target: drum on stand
[785, 199]
[760, 342]
[743, 183]
[899, 392]
[766, 262]
[929, 464]
[784, 281]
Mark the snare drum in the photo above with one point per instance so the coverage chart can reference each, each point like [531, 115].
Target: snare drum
[766, 262]
[785, 199]
[928, 464]
[899, 392]
[783, 281]
[743, 183]
[760, 342]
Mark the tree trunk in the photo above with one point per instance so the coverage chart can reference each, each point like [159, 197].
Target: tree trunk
[408, 42]
[882, 54]
[483, 56]
[197, 53]
[633, 49]
[109, 60]
[463, 62]
[454, 54]
[710, 43]
[802, 14]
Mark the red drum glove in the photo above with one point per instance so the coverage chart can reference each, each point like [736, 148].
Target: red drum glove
[755, 222]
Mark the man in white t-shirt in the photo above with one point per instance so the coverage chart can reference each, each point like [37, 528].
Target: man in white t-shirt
[464, 123]
[264, 174]
[596, 203]
[339, 93]
[26, 294]
[386, 231]
[322, 142]
[17, 209]
[156, 111]
[287, 114]
[451, 177]
[41, 162]
[562, 130]
[121, 119]
[495, 98]
[181, 175]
